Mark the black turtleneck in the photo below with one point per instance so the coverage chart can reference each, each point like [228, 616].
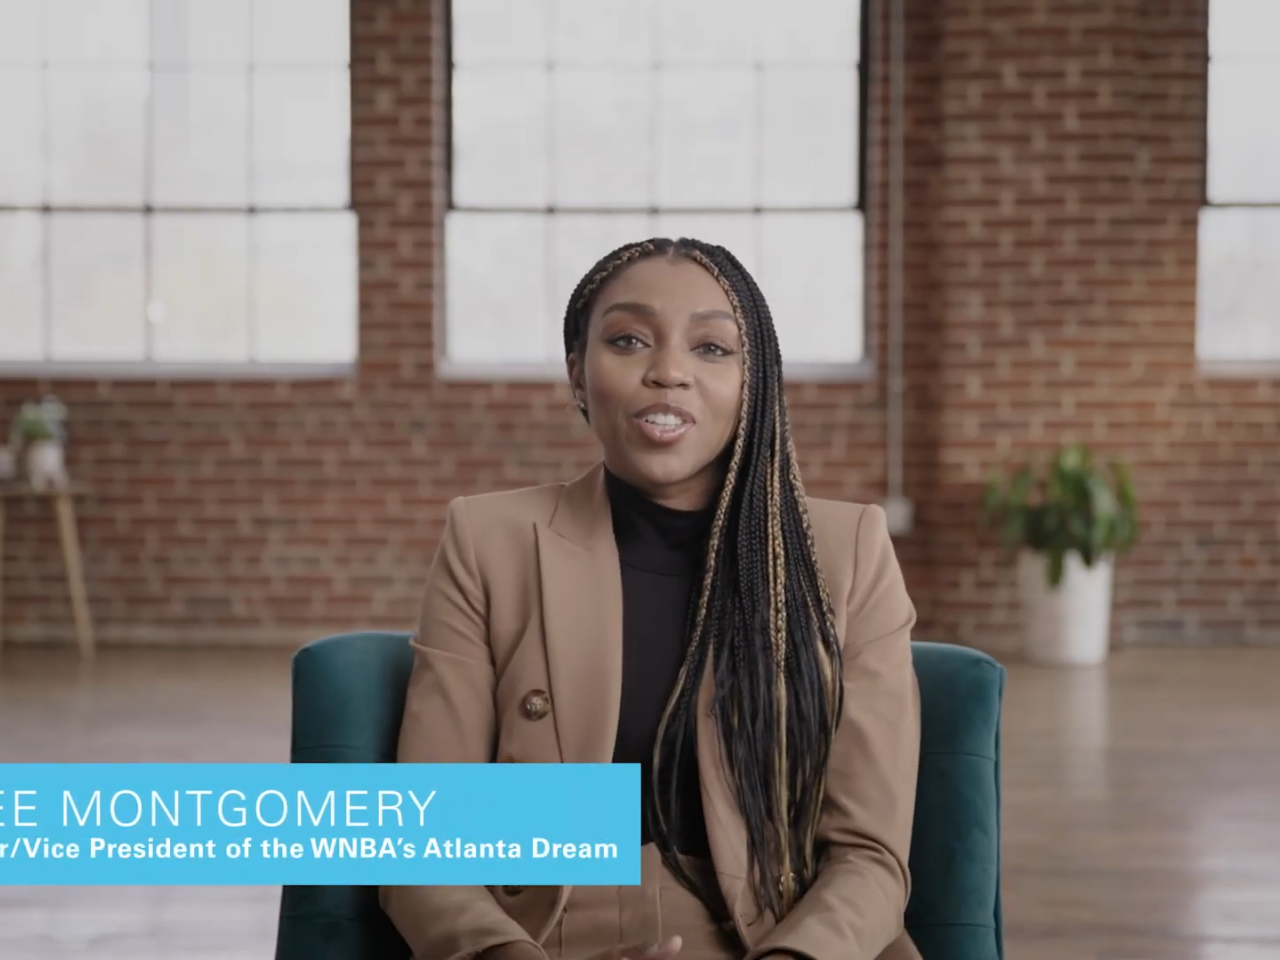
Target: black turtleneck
[661, 551]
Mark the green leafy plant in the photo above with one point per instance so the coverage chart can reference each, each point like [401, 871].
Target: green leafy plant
[1067, 505]
[39, 422]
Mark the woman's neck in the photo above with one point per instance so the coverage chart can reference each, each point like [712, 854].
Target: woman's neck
[654, 536]
[694, 493]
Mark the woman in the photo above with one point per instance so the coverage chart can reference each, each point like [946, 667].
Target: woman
[683, 606]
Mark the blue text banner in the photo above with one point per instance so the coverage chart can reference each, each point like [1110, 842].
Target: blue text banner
[209, 824]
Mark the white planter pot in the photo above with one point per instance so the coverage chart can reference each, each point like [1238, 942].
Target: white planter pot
[46, 465]
[1067, 625]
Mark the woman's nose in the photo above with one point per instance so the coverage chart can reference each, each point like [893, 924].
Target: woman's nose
[668, 368]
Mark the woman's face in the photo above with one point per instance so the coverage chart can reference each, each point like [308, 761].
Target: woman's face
[661, 374]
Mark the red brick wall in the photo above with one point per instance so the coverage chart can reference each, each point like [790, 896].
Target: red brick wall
[1054, 174]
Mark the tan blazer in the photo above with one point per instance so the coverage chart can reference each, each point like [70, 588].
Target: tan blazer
[519, 658]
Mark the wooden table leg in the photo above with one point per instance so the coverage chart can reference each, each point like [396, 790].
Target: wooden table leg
[75, 573]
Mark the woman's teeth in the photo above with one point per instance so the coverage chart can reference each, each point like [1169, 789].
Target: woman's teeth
[664, 420]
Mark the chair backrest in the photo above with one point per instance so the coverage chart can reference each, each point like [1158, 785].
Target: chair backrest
[955, 907]
[348, 697]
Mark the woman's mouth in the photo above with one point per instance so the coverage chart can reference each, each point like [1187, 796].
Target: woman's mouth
[664, 424]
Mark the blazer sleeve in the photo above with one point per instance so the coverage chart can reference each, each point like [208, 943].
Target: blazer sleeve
[856, 908]
[449, 718]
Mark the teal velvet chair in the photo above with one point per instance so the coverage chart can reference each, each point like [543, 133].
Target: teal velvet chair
[348, 695]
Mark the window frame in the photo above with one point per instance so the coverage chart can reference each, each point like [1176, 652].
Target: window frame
[448, 369]
[1220, 368]
[151, 369]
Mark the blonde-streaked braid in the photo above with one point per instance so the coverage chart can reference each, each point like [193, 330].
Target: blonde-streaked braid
[761, 617]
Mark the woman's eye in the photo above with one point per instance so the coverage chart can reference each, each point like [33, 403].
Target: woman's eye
[626, 340]
[714, 349]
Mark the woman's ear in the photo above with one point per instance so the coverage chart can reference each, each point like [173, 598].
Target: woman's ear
[577, 384]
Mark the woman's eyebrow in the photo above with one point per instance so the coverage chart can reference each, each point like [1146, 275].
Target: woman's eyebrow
[713, 314]
[643, 309]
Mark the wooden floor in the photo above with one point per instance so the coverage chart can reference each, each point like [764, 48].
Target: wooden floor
[147, 705]
[1142, 802]
[1142, 808]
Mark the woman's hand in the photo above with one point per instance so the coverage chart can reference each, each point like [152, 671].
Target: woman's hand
[521, 950]
[666, 950]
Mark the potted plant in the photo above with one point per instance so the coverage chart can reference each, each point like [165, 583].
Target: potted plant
[39, 428]
[1067, 522]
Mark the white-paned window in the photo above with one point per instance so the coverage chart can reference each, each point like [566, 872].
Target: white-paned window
[175, 187]
[579, 125]
[1238, 283]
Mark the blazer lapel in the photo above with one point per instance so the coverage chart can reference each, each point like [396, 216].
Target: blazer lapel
[581, 587]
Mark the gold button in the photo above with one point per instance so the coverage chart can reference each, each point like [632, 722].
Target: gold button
[536, 705]
[513, 891]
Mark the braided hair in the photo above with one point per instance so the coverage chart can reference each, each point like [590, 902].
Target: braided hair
[761, 614]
